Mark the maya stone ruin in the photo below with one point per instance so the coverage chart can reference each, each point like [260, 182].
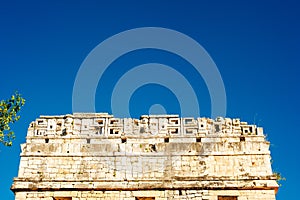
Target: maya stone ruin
[89, 156]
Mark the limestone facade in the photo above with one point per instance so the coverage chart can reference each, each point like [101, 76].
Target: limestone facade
[91, 156]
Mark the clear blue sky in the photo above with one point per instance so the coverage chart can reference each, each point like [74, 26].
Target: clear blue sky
[255, 45]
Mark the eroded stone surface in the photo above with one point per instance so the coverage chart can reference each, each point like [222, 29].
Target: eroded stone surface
[96, 156]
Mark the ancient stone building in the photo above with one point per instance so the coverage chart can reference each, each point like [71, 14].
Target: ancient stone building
[91, 156]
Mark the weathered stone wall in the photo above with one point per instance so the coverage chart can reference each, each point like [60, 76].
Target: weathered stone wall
[97, 156]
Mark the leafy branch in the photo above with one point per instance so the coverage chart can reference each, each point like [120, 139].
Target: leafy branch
[8, 115]
[279, 178]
